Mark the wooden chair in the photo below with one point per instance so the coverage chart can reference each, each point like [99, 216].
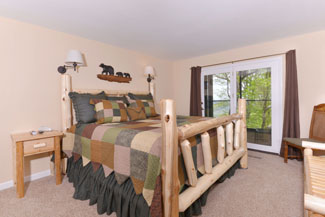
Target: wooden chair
[314, 188]
[316, 132]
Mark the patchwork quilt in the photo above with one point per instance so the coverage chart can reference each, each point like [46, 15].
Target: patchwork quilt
[132, 150]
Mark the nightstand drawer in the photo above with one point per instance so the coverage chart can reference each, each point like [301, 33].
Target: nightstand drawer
[38, 146]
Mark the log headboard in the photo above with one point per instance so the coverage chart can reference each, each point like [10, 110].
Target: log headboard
[67, 113]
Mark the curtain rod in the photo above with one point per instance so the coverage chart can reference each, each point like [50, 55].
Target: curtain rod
[277, 54]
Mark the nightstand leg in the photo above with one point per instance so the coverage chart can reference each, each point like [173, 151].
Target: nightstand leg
[20, 169]
[57, 147]
[52, 166]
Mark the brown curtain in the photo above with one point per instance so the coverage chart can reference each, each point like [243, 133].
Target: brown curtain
[195, 102]
[291, 123]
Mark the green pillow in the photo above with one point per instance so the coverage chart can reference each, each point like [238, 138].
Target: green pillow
[85, 112]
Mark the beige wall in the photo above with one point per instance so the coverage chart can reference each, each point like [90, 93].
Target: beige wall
[310, 50]
[30, 83]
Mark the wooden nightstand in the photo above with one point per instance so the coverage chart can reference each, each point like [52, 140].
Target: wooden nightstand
[25, 144]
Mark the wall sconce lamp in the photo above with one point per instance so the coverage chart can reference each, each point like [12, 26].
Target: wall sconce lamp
[150, 73]
[73, 60]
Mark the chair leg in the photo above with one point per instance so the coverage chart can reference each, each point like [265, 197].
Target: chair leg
[302, 153]
[285, 152]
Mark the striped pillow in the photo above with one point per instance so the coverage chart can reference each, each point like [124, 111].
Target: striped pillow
[108, 111]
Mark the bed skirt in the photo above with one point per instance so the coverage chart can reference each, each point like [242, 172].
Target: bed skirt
[91, 184]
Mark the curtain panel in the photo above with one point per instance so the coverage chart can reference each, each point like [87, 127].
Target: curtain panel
[291, 123]
[195, 101]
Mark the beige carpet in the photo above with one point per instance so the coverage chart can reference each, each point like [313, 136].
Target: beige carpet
[267, 188]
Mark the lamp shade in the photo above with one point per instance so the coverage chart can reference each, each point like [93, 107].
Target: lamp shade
[149, 70]
[74, 56]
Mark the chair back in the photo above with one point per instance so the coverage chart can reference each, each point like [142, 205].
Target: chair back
[317, 125]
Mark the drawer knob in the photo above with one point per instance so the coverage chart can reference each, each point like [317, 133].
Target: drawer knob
[39, 145]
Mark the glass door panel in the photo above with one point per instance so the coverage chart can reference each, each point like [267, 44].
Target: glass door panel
[254, 85]
[217, 94]
[260, 83]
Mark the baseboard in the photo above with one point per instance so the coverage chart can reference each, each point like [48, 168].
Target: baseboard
[6, 185]
[35, 176]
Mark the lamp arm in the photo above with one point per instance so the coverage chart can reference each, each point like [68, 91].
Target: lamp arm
[63, 69]
[66, 66]
[74, 66]
[150, 78]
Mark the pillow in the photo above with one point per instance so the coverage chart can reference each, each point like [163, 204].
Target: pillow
[108, 111]
[141, 96]
[144, 101]
[118, 98]
[136, 113]
[146, 105]
[83, 109]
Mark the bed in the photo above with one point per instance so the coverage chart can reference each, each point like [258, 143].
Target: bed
[160, 166]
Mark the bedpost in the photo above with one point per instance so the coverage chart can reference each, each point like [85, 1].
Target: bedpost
[65, 102]
[169, 159]
[243, 131]
[66, 120]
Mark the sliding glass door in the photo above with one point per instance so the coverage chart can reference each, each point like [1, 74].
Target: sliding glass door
[260, 83]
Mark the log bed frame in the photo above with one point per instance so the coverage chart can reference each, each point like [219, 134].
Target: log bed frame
[232, 127]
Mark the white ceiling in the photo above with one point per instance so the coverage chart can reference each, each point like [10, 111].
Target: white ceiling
[173, 29]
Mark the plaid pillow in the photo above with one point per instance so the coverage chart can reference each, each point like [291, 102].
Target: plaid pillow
[146, 105]
[144, 101]
[136, 113]
[108, 111]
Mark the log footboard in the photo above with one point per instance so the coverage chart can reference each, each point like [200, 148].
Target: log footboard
[194, 192]
[232, 146]
[314, 171]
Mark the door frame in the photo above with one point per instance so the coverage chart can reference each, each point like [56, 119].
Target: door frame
[276, 65]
